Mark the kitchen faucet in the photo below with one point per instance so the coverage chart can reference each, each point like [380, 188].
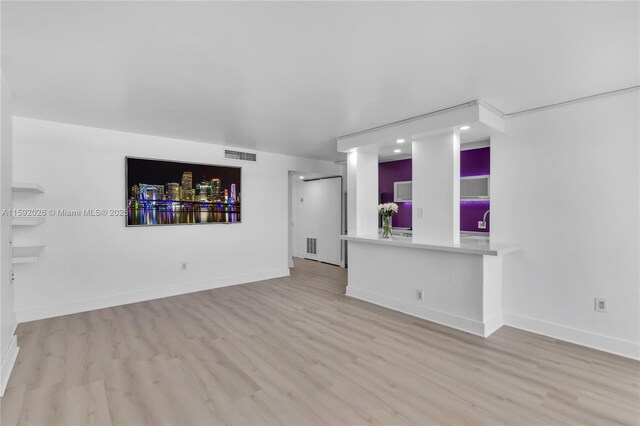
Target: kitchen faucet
[483, 224]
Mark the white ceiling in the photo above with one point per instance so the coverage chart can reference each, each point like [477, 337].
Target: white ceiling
[291, 77]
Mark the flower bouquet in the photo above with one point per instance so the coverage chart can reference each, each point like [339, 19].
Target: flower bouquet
[387, 210]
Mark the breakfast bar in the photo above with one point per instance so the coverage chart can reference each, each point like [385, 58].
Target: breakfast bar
[433, 268]
[457, 285]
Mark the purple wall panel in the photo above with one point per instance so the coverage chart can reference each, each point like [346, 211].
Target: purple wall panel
[473, 162]
[471, 212]
[388, 173]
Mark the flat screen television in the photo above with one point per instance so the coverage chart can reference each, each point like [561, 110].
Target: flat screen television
[162, 192]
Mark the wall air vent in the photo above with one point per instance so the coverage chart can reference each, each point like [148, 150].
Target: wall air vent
[239, 155]
[311, 246]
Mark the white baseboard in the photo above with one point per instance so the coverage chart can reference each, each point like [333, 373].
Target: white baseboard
[8, 361]
[77, 306]
[493, 324]
[450, 320]
[625, 348]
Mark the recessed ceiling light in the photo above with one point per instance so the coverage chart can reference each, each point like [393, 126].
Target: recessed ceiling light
[465, 127]
[397, 150]
[301, 177]
[400, 140]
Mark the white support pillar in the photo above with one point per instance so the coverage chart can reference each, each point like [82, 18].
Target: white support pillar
[491, 294]
[436, 189]
[362, 194]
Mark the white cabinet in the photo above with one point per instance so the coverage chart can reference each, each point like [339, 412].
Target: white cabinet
[402, 191]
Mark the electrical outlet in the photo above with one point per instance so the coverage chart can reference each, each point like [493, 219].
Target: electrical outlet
[600, 304]
[419, 295]
[482, 224]
[184, 266]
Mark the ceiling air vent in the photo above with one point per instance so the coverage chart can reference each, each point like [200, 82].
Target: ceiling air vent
[239, 155]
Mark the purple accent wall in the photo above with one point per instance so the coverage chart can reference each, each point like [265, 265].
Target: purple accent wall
[388, 173]
[471, 212]
[473, 162]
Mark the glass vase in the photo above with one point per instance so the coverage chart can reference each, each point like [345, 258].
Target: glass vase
[386, 226]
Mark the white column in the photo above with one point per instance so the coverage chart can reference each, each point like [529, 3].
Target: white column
[362, 194]
[491, 294]
[436, 189]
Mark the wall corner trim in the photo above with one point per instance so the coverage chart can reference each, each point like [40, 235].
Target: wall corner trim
[625, 348]
[8, 361]
[77, 306]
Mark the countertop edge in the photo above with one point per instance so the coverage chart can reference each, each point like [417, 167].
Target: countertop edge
[485, 251]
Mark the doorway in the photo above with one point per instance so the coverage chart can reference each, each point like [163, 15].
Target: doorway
[316, 218]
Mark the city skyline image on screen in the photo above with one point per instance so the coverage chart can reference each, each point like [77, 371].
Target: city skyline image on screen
[161, 192]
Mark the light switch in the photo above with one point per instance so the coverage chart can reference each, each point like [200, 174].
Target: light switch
[420, 213]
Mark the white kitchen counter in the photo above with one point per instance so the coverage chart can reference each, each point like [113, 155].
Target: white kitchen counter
[468, 245]
[456, 285]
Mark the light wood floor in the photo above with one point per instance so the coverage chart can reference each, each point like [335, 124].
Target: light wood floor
[297, 351]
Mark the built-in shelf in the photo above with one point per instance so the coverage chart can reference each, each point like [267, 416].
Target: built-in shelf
[474, 188]
[28, 221]
[27, 187]
[26, 254]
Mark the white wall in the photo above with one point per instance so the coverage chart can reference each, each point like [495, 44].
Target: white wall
[92, 262]
[565, 183]
[362, 193]
[297, 219]
[293, 211]
[7, 314]
[436, 189]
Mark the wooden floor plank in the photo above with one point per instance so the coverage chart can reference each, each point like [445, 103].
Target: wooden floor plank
[297, 351]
